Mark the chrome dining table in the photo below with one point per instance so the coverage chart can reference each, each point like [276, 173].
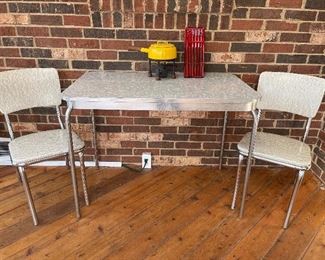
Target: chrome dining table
[128, 90]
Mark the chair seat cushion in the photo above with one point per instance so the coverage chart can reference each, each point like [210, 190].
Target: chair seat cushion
[278, 149]
[42, 146]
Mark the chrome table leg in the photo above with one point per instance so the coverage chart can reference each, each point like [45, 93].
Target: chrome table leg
[256, 115]
[72, 162]
[223, 138]
[94, 138]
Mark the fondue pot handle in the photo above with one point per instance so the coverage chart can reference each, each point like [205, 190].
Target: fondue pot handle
[162, 42]
[145, 50]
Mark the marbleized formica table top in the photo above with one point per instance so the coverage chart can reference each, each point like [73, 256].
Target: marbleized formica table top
[136, 91]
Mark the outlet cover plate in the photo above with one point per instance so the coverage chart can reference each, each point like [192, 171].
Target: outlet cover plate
[148, 157]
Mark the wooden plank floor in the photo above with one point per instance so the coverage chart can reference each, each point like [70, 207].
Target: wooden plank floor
[165, 213]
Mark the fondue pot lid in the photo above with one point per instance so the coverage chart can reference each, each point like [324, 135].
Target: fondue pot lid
[162, 44]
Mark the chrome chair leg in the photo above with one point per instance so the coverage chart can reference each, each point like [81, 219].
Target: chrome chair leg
[28, 194]
[240, 162]
[18, 174]
[298, 181]
[242, 206]
[72, 162]
[256, 116]
[67, 163]
[83, 177]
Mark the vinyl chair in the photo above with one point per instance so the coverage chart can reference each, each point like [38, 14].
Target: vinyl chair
[29, 88]
[287, 92]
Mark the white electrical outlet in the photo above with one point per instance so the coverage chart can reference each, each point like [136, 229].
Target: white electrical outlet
[146, 157]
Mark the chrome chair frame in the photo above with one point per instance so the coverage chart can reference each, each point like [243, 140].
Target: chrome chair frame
[23, 178]
[35, 87]
[298, 179]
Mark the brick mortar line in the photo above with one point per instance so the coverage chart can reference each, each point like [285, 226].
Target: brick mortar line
[286, 20]
[249, 8]
[179, 39]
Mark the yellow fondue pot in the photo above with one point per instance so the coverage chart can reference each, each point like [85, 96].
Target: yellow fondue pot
[162, 50]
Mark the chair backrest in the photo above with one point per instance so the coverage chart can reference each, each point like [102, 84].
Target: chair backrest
[290, 92]
[28, 88]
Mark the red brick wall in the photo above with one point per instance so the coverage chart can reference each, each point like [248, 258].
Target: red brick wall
[245, 37]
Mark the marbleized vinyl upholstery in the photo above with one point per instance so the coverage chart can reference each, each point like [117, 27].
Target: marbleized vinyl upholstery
[289, 92]
[48, 144]
[277, 148]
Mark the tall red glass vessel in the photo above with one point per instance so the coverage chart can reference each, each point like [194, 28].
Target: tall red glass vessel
[194, 52]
